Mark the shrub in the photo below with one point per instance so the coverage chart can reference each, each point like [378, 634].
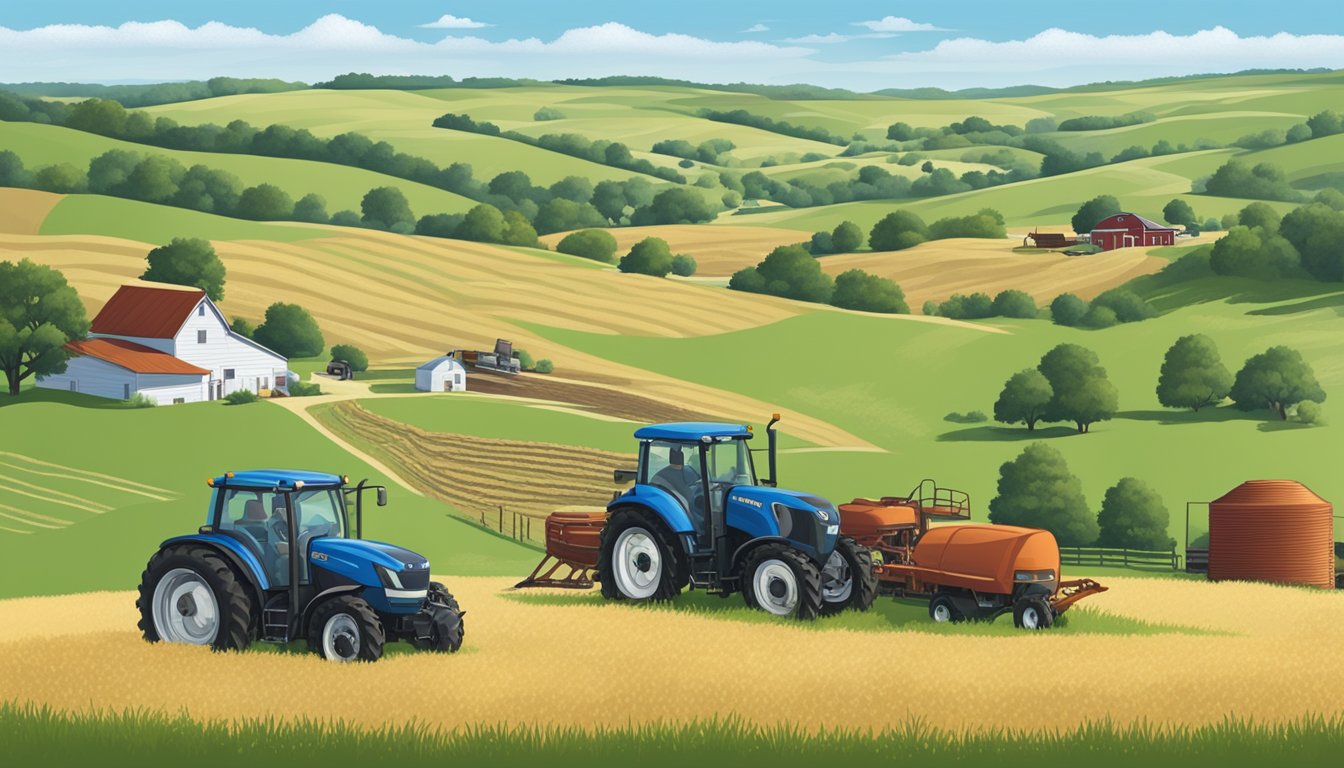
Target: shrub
[650, 256]
[1068, 309]
[788, 271]
[674, 206]
[1128, 306]
[969, 417]
[1099, 317]
[1261, 182]
[544, 365]
[243, 396]
[305, 389]
[856, 289]
[898, 230]
[846, 237]
[595, 244]
[1036, 490]
[141, 400]
[351, 354]
[1255, 252]
[986, 223]
[683, 265]
[386, 207]
[1014, 303]
[548, 113]
[1309, 412]
[1133, 516]
[265, 202]
[243, 327]
[289, 330]
[930, 308]
[962, 307]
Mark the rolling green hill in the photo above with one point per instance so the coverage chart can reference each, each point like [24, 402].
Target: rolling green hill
[342, 187]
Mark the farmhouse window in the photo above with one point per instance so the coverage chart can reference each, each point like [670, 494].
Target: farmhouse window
[200, 310]
[179, 400]
[228, 374]
[125, 391]
[200, 337]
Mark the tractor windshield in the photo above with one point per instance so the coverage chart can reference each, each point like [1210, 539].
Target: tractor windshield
[730, 462]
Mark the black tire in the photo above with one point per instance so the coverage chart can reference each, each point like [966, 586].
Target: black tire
[673, 576]
[231, 596]
[806, 575]
[448, 628]
[371, 634]
[1033, 613]
[943, 610]
[859, 561]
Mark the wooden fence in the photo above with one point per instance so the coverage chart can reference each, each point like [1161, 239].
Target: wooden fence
[519, 526]
[1120, 558]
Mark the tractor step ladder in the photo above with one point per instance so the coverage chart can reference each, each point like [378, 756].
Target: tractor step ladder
[275, 620]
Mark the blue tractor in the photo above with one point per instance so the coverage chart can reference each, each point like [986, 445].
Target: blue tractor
[699, 516]
[279, 559]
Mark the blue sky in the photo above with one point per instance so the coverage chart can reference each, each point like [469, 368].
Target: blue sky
[857, 44]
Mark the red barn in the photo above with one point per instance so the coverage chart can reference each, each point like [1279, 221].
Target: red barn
[1129, 230]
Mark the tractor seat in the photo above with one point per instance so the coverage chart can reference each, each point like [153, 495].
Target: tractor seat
[864, 517]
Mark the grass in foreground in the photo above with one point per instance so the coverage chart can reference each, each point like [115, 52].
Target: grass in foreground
[32, 734]
[886, 615]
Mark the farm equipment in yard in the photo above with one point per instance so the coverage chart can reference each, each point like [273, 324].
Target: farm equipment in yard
[501, 360]
[966, 571]
[698, 516]
[278, 560]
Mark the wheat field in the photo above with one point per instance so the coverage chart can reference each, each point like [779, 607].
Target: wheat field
[1254, 651]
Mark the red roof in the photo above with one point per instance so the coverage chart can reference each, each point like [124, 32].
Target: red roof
[1118, 219]
[133, 357]
[150, 313]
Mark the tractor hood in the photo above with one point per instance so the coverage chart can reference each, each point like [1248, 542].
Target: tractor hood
[764, 497]
[353, 555]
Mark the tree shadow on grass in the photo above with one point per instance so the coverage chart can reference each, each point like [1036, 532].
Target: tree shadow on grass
[1187, 416]
[1335, 302]
[989, 434]
[1279, 425]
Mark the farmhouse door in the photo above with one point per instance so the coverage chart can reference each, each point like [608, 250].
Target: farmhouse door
[1129, 241]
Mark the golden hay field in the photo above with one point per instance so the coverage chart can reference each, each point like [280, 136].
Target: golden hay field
[1273, 656]
[718, 251]
[22, 210]
[939, 268]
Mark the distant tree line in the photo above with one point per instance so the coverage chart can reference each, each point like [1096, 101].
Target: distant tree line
[155, 93]
[710, 151]
[612, 153]
[903, 229]
[743, 117]
[790, 272]
[1104, 123]
[1117, 305]
[977, 306]
[1307, 242]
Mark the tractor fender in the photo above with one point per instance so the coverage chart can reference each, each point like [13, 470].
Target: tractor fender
[740, 554]
[660, 503]
[319, 598]
[243, 561]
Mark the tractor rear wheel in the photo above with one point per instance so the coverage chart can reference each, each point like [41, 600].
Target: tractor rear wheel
[639, 559]
[943, 610]
[1033, 613]
[345, 628]
[189, 594]
[848, 580]
[781, 580]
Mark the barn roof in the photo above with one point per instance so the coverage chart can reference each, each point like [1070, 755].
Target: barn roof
[150, 313]
[1148, 224]
[133, 357]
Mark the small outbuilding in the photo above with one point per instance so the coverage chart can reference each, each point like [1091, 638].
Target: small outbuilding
[442, 374]
[1272, 530]
[1130, 230]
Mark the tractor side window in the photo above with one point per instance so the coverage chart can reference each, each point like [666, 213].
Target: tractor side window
[320, 513]
[730, 462]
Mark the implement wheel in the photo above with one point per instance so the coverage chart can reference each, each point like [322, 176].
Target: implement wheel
[639, 559]
[848, 580]
[781, 580]
[943, 610]
[189, 594]
[1033, 613]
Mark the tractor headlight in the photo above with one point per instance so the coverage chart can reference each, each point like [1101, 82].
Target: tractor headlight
[390, 578]
[822, 515]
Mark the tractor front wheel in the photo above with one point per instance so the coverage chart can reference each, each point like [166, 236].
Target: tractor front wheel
[781, 580]
[638, 558]
[446, 626]
[189, 594]
[345, 628]
[848, 580]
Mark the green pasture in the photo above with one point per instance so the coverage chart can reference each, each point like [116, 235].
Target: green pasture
[149, 223]
[66, 459]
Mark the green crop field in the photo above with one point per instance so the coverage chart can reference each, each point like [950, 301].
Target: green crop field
[75, 493]
[342, 187]
[149, 223]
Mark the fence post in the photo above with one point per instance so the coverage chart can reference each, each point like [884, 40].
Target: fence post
[501, 518]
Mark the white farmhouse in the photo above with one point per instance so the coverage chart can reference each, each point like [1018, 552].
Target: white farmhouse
[172, 345]
[442, 374]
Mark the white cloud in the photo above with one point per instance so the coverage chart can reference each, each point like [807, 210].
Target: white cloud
[898, 24]
[161, 50]
[449, 21]
[757, 27]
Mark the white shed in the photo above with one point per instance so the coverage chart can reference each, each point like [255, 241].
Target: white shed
[442, 374]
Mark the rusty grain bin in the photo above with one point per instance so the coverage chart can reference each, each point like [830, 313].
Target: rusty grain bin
[1272, 530]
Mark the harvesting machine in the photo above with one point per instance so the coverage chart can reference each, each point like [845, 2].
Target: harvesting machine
[280, 559]
[699, 516]
[966, 571]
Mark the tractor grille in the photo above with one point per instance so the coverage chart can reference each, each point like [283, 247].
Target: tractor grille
[805, 528]
[416, 579]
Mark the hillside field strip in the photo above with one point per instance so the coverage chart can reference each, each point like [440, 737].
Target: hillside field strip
[1150, 650]
[43, 496]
